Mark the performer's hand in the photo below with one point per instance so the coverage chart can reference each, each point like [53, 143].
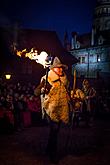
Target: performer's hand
[42, 83]
[87, 97]
[47, 88]
[72, 94]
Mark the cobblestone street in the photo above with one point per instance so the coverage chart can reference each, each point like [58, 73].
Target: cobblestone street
[79, 146]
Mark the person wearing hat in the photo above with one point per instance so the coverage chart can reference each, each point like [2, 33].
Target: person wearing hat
[55, 104]
[89, 102]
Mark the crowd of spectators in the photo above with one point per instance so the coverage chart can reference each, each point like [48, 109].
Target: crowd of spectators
[19, 107]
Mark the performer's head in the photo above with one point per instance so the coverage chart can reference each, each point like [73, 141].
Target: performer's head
[58, 71]
[58, 67]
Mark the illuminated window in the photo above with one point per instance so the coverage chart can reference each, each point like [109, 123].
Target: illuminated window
[98, 58]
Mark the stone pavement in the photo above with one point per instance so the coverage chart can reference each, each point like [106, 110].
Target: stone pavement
[77, 146]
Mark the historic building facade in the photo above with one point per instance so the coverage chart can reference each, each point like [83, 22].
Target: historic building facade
[93, 49]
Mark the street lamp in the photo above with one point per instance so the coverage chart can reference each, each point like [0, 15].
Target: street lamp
[8, 76]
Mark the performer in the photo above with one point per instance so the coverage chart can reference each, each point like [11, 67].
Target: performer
[55, 104]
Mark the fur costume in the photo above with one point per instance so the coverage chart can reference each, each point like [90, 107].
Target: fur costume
[56, 102]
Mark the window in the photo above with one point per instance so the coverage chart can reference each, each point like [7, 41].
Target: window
[83, 59]
[98, 58]
[100, 40]
[77, 45]
[79, 58]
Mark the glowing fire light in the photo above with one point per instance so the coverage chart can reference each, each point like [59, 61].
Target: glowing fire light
[42, 58]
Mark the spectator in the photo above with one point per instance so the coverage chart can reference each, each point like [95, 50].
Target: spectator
[77, 101]
[89, 102]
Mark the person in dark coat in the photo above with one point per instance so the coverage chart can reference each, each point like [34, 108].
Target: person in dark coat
[89, 102]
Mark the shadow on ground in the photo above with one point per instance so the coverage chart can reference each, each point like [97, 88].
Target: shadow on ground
[78, 146]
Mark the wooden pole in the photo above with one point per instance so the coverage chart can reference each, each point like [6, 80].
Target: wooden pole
[74, 81]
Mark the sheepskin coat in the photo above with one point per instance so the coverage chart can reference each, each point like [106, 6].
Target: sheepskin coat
[56, 102]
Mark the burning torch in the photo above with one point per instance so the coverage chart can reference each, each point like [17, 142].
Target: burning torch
[44, 60]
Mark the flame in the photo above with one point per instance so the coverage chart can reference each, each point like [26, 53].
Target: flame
[42, 58]
[21, 53]
[33, 55]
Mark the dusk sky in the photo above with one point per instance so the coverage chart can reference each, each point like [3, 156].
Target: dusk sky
[55, 15]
